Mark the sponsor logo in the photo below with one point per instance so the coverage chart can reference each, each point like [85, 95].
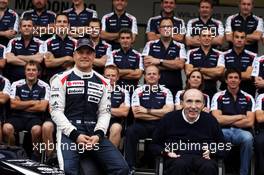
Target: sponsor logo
[93, 99]
[75, 83]
[75, 91]
[95, 92]
[95, 85]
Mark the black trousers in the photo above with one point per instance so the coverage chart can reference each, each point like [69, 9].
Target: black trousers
[139, 130]
[186, 164]
[259, 152]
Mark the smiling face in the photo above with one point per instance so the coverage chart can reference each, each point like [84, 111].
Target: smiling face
[31, 72]
[120, 5]
[152, 75]
[168, 6]
[233, 81]
[195, 80]
[192, 104]
[84, 58]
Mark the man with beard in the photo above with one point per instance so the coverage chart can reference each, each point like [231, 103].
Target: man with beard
[8, 23]
[43, 19]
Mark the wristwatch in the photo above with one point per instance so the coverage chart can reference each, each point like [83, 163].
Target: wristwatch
[161, 61]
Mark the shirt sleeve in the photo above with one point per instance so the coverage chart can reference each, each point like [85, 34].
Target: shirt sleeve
[228, 27]
[188, 57]
[47, 92]
[189, 29]
[221, 30]
[259, 102]
[13, 92]
[110, 59]
[103, 21]
[135, 99]
[177, 98]
[255, 65]
[141, 65]
[148, 29]
[9, 47]
[3, 54]
[7, 87]
[134, 28]
[260, 25]
[104, 111]
[146, 49]
[215, 102]
[127, 98]
[221, 60]
[16, 24]
[169, 98]
[251, 104]
[57, 105]
[95, 14]
[42, 48]
[182, 52]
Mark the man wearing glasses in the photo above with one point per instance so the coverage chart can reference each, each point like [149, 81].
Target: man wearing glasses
[168, 55]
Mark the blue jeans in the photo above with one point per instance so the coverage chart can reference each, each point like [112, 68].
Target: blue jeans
[244, 139]
[107, 156]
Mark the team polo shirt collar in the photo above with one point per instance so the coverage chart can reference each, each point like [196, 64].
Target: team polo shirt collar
[83, 75]
[126, 53]
[121, 16]
[248, 17]
[207, 22]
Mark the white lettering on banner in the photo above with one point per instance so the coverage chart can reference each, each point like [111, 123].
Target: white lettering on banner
[56, 6]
